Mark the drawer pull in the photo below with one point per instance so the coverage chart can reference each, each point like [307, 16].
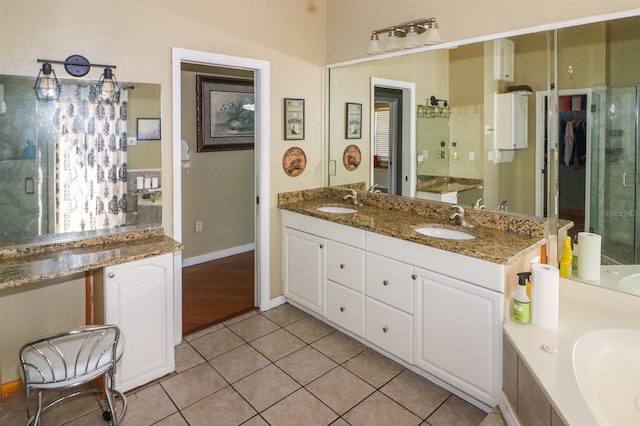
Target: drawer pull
[111, 275]
[321, 246]
[385, 328]
[342, 309]
[414, 277]
[342, 266]
[385, 282]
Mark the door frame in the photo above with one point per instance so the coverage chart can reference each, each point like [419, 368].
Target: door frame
[540, 151]
[408, 130]
[261, 167]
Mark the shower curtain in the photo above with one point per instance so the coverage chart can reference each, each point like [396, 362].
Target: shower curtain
[91, 161]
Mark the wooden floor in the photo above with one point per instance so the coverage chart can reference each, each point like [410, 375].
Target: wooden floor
[215, 291]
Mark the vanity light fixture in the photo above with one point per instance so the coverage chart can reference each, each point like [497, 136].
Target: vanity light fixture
[433, 108]
[108, 89]
[408, 30]
[48, 87]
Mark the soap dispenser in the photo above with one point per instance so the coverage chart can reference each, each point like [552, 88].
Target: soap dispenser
[521, 302]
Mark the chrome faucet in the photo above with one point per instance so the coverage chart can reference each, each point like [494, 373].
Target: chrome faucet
[374, 189]
[353, 196]
[458, 217]
[478, 204]
[502, 206]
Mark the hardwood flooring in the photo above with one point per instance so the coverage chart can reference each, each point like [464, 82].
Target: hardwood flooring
[215, 291]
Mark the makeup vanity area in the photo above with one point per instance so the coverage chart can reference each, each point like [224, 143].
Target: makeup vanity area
[129, 282]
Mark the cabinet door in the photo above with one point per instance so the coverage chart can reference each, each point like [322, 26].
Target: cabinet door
[345, 307]
[304, 269]
[139, 300]
[458, 334]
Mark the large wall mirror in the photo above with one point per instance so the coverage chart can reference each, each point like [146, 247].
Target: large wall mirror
[75, 165]
[593, 136]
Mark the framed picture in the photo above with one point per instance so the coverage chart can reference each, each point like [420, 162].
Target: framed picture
[224, 113]
[353, 128]
[294, 119]
[148, 129]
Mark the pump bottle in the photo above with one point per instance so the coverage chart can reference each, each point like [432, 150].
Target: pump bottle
[566, 261]
[521, 302]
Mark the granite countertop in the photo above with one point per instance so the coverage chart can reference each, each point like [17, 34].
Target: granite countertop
[500, 237]
[29, 263]
[444, 184]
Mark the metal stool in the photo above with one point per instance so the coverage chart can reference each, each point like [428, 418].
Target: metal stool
[70, 359]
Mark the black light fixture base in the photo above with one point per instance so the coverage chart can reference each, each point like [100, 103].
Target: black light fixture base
[77, 65]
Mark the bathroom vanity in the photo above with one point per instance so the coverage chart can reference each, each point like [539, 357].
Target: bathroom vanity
[435, 305]
[132, 287]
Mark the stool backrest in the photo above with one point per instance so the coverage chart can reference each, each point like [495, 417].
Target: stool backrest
[70, 355]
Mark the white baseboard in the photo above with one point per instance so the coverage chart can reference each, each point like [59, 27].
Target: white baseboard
[217, 255]
[275, 302]
[510, 417]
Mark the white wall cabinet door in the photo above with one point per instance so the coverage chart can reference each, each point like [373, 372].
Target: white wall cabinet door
[458, 334]
[138, 298]
[305, 269]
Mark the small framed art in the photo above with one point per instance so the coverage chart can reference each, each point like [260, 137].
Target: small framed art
[148, 129]
[353, 128]
[293, 119]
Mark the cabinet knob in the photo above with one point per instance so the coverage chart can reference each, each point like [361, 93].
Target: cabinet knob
[111, 275]
[342, 309]
[385, 328]
[321, 246]
[385, 282]
[342, 266]
[414, 277]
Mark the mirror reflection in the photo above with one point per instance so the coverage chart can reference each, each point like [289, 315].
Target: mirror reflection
[75, 164]
[595, 138]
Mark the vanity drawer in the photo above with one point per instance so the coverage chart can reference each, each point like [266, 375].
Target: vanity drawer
[390, 329]
[345, 307]
[389, 282]
[345, 265]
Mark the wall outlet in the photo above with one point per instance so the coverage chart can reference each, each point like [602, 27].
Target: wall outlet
[199, 226]
[332, 167]
[472, 155]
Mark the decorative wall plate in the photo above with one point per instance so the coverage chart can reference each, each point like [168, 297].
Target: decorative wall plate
[351, 157]
[294, 161]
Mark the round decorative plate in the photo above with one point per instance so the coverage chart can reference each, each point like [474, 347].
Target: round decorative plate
[294, 161]
[351, 157]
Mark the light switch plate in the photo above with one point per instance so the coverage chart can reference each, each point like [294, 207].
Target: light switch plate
[332, 167]
[472, 155]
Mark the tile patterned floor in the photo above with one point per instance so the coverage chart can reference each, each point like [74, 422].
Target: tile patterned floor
[280, 367]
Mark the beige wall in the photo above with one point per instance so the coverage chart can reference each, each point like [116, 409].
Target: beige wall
[218, 189]
[351, 21]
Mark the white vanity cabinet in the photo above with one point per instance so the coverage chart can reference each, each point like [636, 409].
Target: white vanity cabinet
[458, 334]
[435, 310]
[138, 298]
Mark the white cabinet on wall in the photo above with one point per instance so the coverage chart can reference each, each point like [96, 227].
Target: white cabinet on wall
[138, 298]
[511, 120]
[503, 54]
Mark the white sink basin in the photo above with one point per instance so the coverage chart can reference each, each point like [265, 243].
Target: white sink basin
[444, 233]
[606, 364]
[630, 284]
[337, 209]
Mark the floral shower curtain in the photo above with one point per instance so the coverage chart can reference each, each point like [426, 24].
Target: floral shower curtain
[91, 161]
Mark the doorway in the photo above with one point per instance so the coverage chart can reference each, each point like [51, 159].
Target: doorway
[261, 71]
[574, 159]
[399, 169]
[387, 133]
